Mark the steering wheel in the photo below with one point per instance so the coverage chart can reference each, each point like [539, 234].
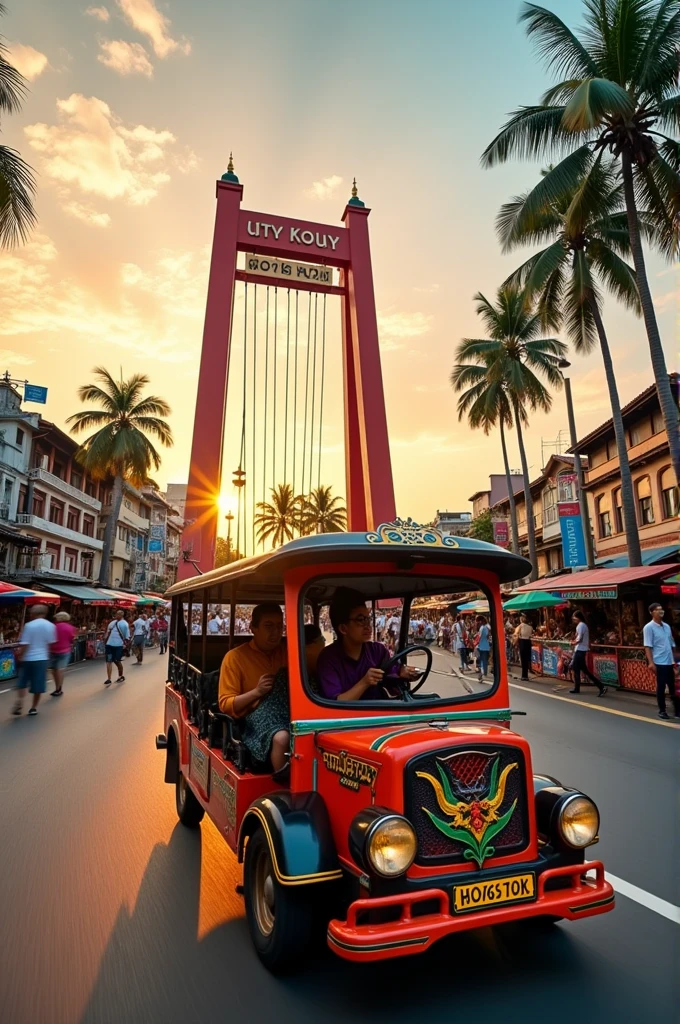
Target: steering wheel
[405, 684]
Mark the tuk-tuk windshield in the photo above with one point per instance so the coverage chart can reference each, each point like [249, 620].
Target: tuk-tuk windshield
[395, 640]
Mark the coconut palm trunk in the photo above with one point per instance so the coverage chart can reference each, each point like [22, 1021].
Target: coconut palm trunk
[669, 409]
[627, 496]
[511, 495]
[528, 501]
[110, 529]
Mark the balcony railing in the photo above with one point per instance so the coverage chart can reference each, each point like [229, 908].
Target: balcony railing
[61, 532]
[60, 485]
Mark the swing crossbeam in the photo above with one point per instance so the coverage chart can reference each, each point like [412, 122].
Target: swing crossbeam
[284, 282]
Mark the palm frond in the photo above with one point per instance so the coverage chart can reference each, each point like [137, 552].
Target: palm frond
[616, 274]
[13, 86]
[593, 101]
[87, 418]
[563, 53]
[17, 191]
[530, 132]
[151, 406]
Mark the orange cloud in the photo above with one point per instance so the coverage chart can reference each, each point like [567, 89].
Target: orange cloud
[29, 62]
[100, 13]
[91, 150]
[125, 58]
[145, 17]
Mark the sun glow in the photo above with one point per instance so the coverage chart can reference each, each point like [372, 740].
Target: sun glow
[227, 503]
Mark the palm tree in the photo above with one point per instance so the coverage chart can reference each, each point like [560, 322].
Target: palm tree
[278, 519]
[486, 404]
[619, 94]
[586, 231]
[119, 447]
[514, 357]
[323, 513]
[17, 183]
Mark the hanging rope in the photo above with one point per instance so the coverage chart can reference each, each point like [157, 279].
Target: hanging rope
[276, 323]
[266, 384]
[323, 376]
[242, 458]
[285, 429]
[254, 409]
[297, 297]
[304, 432]
[311, 428]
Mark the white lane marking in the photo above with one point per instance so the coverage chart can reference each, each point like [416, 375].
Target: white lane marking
[6, 691]
[595, 707]
[645, 899]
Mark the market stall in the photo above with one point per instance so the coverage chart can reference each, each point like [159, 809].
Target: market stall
[614, 602]
[90, 609]
[13, 603]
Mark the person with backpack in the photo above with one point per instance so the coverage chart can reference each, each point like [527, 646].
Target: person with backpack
[116, 641]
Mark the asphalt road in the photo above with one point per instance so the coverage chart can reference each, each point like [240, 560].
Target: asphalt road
[111, 912]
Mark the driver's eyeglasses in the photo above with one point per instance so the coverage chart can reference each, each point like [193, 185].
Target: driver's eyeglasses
[362, 620]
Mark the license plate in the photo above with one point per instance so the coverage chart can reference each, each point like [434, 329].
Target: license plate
[494, 893]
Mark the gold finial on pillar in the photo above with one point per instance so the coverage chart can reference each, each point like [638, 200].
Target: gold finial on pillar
[355, 192]
[229, 173]
[230, 165]
[355, 201]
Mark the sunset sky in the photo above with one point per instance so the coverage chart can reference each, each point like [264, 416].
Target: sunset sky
[132, 111]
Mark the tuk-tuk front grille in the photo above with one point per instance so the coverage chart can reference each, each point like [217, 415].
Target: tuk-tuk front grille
[457, 798]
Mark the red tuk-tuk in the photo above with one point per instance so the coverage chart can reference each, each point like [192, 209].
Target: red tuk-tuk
[405, 818]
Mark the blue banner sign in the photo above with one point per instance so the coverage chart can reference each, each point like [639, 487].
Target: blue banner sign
[155, 545]
[34, 393]
[571, 528]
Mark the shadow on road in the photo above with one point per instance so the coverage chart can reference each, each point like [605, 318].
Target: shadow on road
[156, 969]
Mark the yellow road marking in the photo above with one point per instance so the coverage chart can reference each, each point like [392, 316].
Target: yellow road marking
[596, 707]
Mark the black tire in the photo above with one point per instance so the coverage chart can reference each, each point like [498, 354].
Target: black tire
[189, 811]
[281, 918]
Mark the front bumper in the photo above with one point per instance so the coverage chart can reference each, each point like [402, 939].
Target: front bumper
[410, 934]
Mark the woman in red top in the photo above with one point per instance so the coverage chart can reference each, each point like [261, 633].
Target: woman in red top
[61, 650]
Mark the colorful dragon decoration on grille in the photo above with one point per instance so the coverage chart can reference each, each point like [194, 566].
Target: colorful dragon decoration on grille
[474, 821]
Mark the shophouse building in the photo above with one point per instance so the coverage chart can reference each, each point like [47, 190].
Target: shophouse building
[453, 524]
[657, 501]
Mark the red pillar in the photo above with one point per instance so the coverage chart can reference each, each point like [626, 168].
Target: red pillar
[206, 448]
[354, 469]
[367, 389]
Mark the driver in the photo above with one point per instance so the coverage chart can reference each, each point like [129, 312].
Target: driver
[349, 669]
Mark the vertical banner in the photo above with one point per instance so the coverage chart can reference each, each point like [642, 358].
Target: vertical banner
[571, 528]
[501, 535]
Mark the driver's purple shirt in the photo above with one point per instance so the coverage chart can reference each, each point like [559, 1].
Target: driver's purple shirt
[337, 672]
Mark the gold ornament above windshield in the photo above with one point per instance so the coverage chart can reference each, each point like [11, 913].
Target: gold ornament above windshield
[408, 532]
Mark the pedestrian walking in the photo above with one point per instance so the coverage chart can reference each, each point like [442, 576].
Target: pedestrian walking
[460, 641]
[523, 635]
[33, 653]
[483, 642]
[140, 632]
[581, 648]
[115, 641]
[661, 651]
[61, 650]
[161, 627]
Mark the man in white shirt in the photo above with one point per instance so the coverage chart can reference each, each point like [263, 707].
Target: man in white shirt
[117, 633]
[581, 648]
[213, 624]
[140, 632]
[34, 656]
[660, 648]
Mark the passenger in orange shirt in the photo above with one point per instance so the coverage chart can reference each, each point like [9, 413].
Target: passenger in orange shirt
[247, 673]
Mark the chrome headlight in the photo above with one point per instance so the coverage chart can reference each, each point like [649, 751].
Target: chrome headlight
[391, 845]
[578, 821]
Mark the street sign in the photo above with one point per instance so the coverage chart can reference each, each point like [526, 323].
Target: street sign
[571, 528]
[155, 546]
[35, 393]
[288, 269]
[594, 594]
[500, 533]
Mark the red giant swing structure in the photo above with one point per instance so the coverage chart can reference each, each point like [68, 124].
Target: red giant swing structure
[297, 256]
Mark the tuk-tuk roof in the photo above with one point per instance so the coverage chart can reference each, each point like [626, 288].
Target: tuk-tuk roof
[399, 541]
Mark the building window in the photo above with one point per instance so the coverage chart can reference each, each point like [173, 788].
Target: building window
[658, 425]
[618, 511]
[122, 533]
[611, 449]
[76, 479]
[52, 556]
[670, 494]
[566, 487]
[598, 457]
[88, 525]
[20, 436]
[644, 497]
[56, 512]
[59, 469]
[73, 521]
[86, 565]
[604, 515]
[640, 432]
[91, 488]
[70, 560]
[39, 504]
